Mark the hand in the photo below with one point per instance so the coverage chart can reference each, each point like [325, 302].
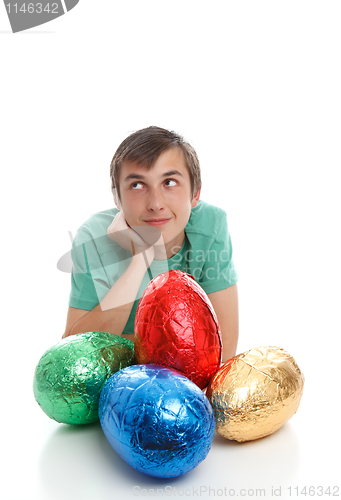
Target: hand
[135, 239]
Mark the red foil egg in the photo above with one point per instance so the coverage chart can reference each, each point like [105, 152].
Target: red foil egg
[176, 327]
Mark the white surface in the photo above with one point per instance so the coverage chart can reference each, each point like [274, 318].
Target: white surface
[255, 86]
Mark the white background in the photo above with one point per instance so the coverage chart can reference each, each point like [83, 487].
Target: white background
[255, 87]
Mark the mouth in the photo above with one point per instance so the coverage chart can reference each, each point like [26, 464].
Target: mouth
[156, 222]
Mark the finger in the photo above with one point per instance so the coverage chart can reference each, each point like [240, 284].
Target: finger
[132, 242]
[117, 223]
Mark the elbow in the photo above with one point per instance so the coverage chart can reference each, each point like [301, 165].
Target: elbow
[74, 330]
[68, 334]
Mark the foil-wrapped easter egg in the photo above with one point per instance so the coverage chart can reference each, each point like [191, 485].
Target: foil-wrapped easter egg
[70, 375]
[157, 420]
[176, 327]
[255, 393]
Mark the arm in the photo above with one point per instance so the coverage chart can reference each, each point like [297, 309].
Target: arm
[112, 313]
[225, 304]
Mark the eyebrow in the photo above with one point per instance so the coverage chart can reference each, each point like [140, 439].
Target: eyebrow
[139, 176]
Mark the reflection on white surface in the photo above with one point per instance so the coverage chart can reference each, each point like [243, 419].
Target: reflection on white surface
[262, 463]
[78, 462]
[51, 461]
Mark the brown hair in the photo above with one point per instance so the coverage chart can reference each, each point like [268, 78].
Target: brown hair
[145, 146]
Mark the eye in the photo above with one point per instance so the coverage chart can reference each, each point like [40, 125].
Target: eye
[135, 185]
[171, 180]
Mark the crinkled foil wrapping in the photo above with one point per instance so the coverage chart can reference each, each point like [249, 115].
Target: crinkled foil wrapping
[176, 327]
[70, 375]
[157, 420]
[255, 393]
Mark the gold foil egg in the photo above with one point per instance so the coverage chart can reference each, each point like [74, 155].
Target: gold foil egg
[255, 393]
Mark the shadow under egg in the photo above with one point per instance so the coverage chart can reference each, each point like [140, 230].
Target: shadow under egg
[265, 462]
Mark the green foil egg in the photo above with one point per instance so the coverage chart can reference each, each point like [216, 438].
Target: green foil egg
[71, 374]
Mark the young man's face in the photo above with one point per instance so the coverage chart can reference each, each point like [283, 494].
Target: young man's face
[159, 197]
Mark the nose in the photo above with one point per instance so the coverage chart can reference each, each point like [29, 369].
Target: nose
[155, 200]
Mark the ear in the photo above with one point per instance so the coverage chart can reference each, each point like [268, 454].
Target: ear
[195, 198]
[116, 199]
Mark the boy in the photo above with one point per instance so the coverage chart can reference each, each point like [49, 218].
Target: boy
[159, 224]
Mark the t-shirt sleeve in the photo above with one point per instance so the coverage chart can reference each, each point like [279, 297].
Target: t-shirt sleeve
[219, 271]
[85, 259]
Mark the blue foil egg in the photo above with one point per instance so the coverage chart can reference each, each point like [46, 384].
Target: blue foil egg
[157, 420]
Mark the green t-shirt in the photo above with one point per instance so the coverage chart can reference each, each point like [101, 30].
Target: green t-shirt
[98, 261]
